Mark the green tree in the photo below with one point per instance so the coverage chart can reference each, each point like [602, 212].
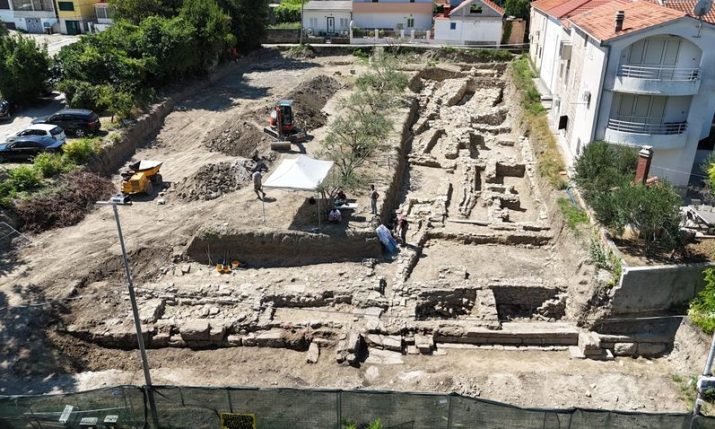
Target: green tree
[602, 167]
[24, 69]
[702, 307]
[652, 211]
[517, 8]
[171, 44]
[249, 19]
[136, 11]
[213, 30]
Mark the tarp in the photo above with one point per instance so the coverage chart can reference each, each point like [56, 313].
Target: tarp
[300, 173]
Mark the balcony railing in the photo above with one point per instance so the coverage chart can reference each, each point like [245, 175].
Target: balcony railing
[660, 73]
[665, 128]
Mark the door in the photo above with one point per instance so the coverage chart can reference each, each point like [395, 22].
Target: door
[34, 25]
[330, 25]
[72, 27]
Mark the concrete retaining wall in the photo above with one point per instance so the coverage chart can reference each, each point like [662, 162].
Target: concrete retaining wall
[284, 248]
[657, 288]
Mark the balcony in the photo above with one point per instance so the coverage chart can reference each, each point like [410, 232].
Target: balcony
[657, 80]
[637, 132]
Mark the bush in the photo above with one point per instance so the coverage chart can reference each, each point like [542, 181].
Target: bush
[702, 307]
[24, 178]
[24, 69]
[82, 150]
[654, 212]
[602, 167]
[52, 164]
[286, 14]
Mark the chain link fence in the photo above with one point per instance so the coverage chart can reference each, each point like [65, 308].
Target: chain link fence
[234, 408]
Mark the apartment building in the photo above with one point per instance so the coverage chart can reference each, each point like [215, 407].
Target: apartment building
[76, 16]
[633, 73]
[32, 16]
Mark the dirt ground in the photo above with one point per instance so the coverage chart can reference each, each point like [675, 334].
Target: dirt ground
[65, 263]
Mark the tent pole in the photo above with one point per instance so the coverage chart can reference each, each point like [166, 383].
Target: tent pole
[318, 211]
[263, 202]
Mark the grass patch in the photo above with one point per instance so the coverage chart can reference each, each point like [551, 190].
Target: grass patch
[687, 389]
[82, 150]
[702, 308]
[285, 26]
[573, 214]
[605, 259]
[549, 159]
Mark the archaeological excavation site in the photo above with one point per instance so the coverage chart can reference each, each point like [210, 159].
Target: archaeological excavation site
[490, 295]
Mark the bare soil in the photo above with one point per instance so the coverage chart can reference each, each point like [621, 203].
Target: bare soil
[80, 265]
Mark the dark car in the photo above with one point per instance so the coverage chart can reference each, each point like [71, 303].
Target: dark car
[79, 122]
[5, 114]
[27, 147]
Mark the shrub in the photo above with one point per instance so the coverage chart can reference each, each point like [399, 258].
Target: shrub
[654, 212]
[602, 167]
[82, 150]
[52, 164]
[24, 178]
[702, 307]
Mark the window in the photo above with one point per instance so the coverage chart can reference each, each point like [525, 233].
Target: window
[452, 25]
[104, 11]
[563, 122]
[313, 22]
[474, 8]
[410, 22]
[66, 6]
[33, 5]
[4, 4]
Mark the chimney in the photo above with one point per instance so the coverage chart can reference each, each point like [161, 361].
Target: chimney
[645, 155]
[620, 16]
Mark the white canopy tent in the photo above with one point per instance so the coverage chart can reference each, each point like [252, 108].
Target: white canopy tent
[301, 173]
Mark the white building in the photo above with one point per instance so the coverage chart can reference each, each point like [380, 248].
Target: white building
[393, 14]
[647, 80]
[473, 22]
[327, 17]
[32, 16]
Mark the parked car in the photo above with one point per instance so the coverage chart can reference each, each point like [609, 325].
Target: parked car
[27, 147]
[5, 114]
[45, 130]
[79, 122]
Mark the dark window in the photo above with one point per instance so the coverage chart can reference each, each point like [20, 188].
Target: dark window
[475, 8]
[563, 122]
[452, 25]
[55, 131]
[26, 145]
[4, 4]
[66, 6]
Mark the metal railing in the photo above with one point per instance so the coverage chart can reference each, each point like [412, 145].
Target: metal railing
[643, 127]
[660, 72]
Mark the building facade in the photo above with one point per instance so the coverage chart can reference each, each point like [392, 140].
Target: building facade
[393, 14]
[645, 79]
[32, 16]
[473, 22]
[327, 17]
[76, 16]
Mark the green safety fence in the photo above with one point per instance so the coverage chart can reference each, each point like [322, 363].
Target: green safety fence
[245, 408]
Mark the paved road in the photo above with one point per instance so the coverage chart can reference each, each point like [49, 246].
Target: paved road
[24, 117]
[54, 42]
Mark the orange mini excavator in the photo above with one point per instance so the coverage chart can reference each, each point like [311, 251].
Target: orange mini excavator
[282, 123]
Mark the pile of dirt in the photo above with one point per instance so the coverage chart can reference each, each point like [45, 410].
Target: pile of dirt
[214, 180]
[309, 98]
[236, 139]
[76, 195]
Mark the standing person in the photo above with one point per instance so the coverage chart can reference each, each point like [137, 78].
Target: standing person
[234, 54]
[373, 199]
[402, 228]
[258, 184]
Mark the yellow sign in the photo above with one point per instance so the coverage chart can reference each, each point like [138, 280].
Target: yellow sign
[238, 421]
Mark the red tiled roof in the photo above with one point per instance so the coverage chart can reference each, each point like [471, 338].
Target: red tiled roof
[600, 22]
[688, 6]
[567, 8]
[489, 3]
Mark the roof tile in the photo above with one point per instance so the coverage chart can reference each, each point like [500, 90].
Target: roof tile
[600, 22]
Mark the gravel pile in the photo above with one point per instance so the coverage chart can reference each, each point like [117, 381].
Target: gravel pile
[214, 180]
[236, 139]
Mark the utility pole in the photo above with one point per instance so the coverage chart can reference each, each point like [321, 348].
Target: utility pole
[121, 200]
